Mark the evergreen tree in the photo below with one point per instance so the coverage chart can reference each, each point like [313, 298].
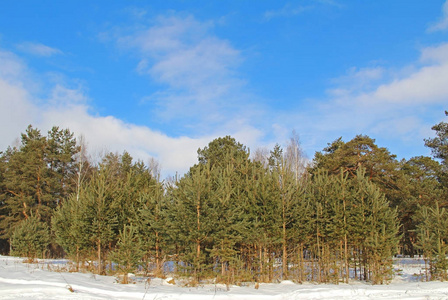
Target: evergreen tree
[212, 199]
[432, 190]
[100, 194]
[25, 182]
[228, 218]
[70, 227]
[381, 167]
[350, 213]
[217, 150]
[381, 235]
[152, 222]
[129, 251]
[228, 200]
[62, 168]
[192, 222]
[439, 144]
[433, 238]
[362, 152]
[424, 189]
[439, 148]
[90, 220]
[425, 238]
[30, 238]
[265, 233]
[286, 187]
[36, 176]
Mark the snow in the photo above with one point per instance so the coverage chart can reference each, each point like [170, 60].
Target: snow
[45, 280]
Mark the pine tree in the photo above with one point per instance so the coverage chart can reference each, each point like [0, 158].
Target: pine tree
[432, 234]
[70, 227]
[4, 246]
[36, 176]
[102, 221]
[227, 208]
[30, 238]
[129, 251]
[425, 238]
[217, 151]
[380, 166]
[152, 222]
[424, 176]
[439, 144]
[192, 222]
[258, 212]
[60, 159]
[286, 186]
[380, 229]
[25, 182]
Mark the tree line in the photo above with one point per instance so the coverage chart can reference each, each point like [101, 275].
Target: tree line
[232, 217]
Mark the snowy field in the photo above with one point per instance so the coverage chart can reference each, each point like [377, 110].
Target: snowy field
[20, 280]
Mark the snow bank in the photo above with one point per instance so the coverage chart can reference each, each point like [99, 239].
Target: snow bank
[19, 280]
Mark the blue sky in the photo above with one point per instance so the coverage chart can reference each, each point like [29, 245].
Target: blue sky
[163, 78]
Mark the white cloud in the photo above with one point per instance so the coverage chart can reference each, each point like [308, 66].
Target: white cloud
[38, 49]
[175, 154]
[398, 107]
[443, 22]
[15, 106]
[15, 112]
[111, 134]
[198, 69]
[437, 55]
[12, 67]
[425, 85]
[68, 108]
[200, 87]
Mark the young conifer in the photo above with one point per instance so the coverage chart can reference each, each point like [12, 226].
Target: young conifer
[128, 252]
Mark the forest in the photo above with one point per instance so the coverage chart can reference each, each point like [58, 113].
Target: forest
[235, 216]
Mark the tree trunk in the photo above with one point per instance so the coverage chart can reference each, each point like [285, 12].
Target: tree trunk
[77, 258]
[261, 260]
[285, 254]
[99, 255]
[300, 262]
[39, 195]
[158, 266]
[346, 262]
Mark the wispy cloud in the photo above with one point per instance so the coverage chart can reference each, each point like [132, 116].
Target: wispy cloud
[38, 49]
[135, 12]
[357, 79]
[293, 9]
[442, 24]
[381, 102]
[197, 71]
[200, 88]
[200, 71]
[12, 68]
[288, 10]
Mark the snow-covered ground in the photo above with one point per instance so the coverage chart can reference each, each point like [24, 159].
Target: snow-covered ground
[19, 280]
